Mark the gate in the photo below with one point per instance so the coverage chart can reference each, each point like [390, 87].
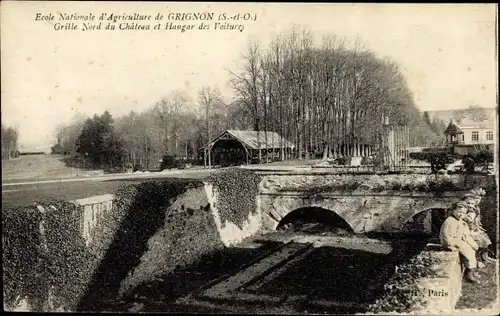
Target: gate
[395, 141]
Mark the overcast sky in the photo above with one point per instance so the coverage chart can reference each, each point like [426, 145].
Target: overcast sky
[447, 53]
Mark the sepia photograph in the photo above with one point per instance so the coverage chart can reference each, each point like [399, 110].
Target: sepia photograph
[250, 158]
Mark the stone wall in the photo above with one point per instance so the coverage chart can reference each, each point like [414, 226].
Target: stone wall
[93, 210]
[229, 232]
[367, 202]
[430, 283]
[442, 290]
[383, 212]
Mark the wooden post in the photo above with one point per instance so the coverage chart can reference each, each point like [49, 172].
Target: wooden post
[407, 144]
[210, 157]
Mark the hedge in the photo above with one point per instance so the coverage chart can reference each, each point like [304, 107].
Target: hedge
[48, 258]
[237, 191]
[478, 157]
[80, 277]
[375, 183]
[21, 237]
[428, 156]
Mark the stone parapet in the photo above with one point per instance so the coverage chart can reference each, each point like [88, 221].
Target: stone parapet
[93, 209]
[443, 289]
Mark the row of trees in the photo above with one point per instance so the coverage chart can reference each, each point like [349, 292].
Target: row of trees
[318, 97]
[176, 125]
[9, 142]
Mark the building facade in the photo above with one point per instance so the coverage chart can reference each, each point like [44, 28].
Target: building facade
[468, 128]
[470, 133]
[478, 132]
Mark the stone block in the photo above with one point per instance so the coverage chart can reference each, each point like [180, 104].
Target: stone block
[268, 223]
[441, 291]
[275, 215]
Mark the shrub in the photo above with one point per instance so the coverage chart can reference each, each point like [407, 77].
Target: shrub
[484, 156]
[423, 156]
[367, 161]
[237, 190]
[68, 268]
[138, 167]
[21, 253]
[168, 162]
[351, 186]
[53, 250]
[469, 164]
[429, 156]
[401, 293]
[344, 161]
[438, 162]
[181, 164]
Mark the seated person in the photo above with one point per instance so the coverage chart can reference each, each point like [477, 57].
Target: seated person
[455, 235]
[479, 236]
[473, 219]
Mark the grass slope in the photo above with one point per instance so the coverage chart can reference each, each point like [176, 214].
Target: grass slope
[40, 167]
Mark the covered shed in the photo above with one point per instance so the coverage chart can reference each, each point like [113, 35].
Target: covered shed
[243, 147]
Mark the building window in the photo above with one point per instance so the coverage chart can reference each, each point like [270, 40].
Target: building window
[463, 137]
[489, 135]
[475, 136]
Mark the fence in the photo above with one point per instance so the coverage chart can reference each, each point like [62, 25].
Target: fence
[398, 139]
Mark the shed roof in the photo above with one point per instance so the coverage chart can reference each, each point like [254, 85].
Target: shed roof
[251, 139]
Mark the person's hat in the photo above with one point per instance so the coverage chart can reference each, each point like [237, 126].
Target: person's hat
[469, 196]
[479, 192]
[459, 204]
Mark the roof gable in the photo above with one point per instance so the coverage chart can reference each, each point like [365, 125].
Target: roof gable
[453, 128]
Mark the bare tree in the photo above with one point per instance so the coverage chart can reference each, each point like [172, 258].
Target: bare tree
[325, 98]
[208, 98]
[245, 85]
[169, 110]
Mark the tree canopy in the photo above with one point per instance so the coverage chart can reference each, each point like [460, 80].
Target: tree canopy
[98, 142]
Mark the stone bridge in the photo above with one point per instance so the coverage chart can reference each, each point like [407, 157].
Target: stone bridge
[368, 203]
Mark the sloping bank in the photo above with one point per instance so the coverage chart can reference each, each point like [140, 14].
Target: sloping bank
[152, 229]
[221, 212]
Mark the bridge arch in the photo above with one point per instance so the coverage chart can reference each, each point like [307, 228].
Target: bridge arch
[427, 220]
[315, 214]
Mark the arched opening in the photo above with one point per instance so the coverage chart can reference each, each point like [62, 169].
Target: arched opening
[229, 152]
[426, 223]
[314, 220]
